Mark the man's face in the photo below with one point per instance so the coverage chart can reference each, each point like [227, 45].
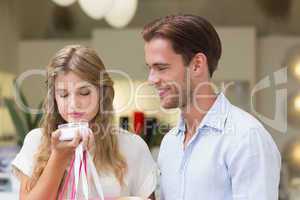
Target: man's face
[166, 72]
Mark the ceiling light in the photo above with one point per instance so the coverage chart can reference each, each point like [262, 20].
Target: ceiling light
[117, 13]
[64, 2]
[121, 13]
[96, 9]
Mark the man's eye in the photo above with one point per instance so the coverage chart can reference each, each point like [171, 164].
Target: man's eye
[162, 68]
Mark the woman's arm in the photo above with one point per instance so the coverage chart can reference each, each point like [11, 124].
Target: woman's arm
[48, 183]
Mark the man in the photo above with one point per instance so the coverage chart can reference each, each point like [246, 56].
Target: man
[217, 151]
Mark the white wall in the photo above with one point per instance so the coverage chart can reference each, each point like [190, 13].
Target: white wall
[238, 61]
[8, 36]
[121, 50]
[8, 60]
[37, 53]
[6, 125]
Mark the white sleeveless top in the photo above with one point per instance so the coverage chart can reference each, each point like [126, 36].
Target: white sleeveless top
[140, 179]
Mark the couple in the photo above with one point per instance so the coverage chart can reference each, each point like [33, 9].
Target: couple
[216, 152]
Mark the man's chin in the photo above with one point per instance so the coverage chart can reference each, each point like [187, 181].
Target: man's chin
[168, 105]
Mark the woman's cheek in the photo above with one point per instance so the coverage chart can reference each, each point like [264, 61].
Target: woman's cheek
[62, 107]
[89, 105]
[93, 107]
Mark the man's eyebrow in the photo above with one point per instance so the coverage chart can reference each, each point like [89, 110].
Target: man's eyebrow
[158, 64]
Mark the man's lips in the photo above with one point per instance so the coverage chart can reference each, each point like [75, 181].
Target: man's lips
[162, 91]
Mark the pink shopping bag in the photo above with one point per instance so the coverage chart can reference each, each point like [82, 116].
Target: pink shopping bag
[82, 180]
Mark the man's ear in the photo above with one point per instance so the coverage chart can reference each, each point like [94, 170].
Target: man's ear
[199, 64]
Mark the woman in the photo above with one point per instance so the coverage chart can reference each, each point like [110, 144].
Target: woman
[79, 89]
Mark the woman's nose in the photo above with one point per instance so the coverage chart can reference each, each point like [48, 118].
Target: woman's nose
[74, 102]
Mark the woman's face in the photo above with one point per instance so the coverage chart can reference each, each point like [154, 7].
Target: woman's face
[77, 100]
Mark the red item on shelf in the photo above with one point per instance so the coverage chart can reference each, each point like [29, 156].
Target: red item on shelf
[139, 118]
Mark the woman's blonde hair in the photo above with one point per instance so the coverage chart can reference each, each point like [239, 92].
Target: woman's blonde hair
[85, 63]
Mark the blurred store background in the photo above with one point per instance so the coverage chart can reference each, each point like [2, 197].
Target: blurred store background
[259, 69]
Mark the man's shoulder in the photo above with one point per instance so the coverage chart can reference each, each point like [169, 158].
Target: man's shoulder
[242, 125]
[242, 119]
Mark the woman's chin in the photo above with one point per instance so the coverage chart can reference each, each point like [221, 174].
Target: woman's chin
[130, 198]
[76, 120]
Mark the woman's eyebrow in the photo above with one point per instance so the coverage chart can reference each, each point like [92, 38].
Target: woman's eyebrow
[84, 86]
[60, 89]
[79, 88]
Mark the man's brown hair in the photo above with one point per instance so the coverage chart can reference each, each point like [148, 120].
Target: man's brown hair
[189, 35]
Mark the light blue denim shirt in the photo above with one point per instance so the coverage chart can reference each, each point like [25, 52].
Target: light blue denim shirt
[230, 157]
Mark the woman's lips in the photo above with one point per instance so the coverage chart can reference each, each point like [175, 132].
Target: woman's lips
[76, 114]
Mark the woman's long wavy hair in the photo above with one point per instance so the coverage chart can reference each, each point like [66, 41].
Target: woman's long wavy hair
[85, 63]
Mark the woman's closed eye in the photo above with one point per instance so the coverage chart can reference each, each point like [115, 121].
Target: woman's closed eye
[63, 94]
[81, 92]
[84, 92]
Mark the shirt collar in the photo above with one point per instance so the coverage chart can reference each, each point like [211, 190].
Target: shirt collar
[214, 118]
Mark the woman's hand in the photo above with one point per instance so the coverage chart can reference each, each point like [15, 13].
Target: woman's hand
[63, 150]
[88, 141]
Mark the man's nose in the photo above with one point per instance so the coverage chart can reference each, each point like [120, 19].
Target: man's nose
[153, 77]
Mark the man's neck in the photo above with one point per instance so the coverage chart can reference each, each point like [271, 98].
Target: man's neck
[194, 112]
